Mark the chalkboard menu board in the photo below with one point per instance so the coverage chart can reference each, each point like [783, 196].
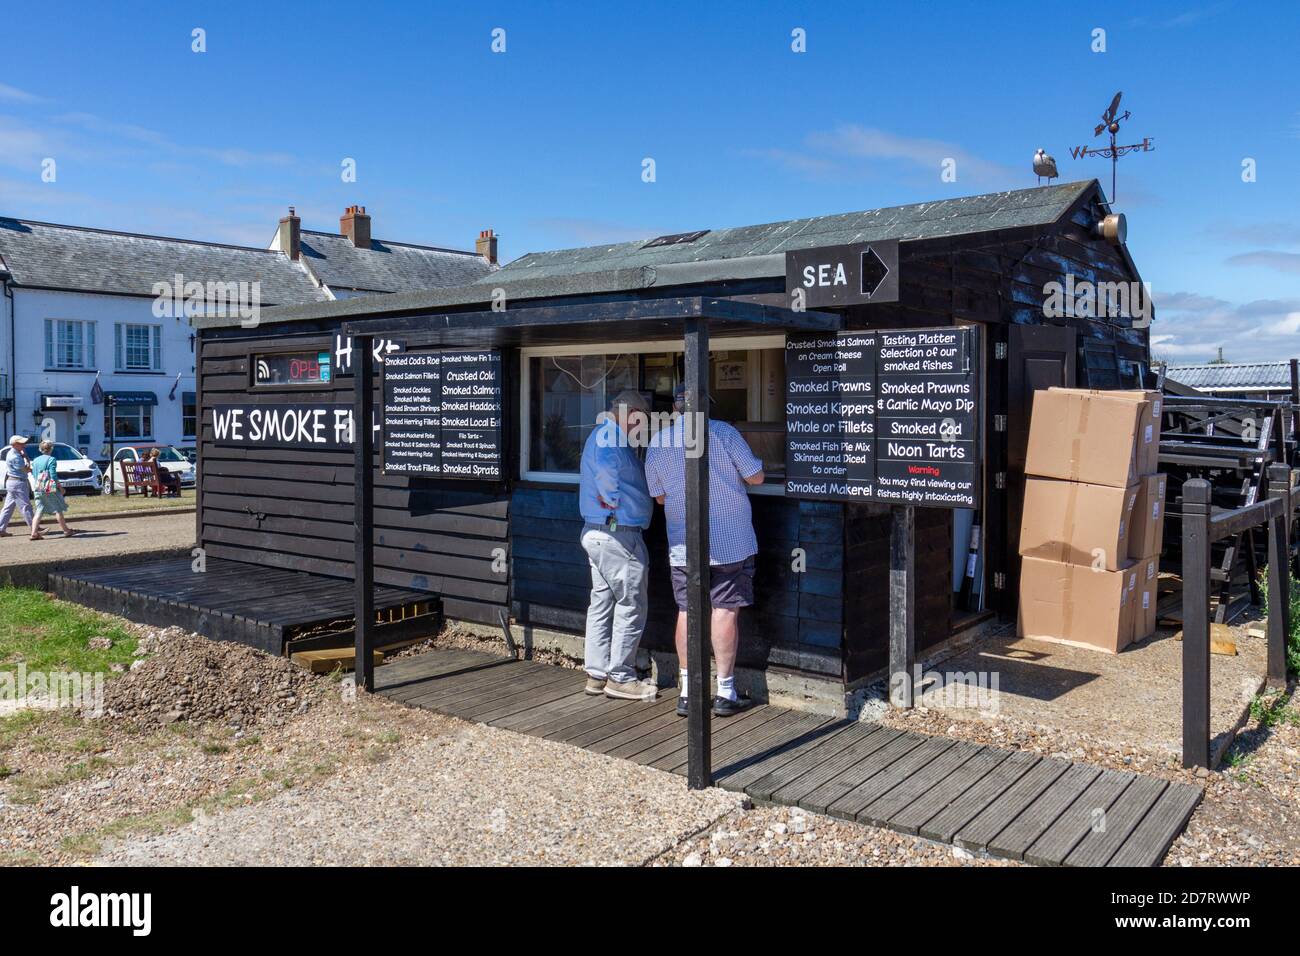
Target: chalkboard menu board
[442, 414]
[889, 416]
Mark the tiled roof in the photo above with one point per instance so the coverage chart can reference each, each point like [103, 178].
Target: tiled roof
[1257, 376]
[718, 255]
[97, 260]
[387, 266]
[928, 220]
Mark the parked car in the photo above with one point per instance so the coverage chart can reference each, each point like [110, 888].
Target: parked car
[76, 471]
[168, 457]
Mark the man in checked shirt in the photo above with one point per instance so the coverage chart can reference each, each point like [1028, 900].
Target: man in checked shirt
[732, 544]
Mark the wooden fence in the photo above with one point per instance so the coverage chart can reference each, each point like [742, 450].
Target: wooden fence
[1201, 528]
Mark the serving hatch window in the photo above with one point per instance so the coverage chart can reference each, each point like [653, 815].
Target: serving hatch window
[565, 389]
[292, 368]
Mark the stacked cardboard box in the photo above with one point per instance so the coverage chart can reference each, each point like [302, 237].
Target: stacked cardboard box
[1093, 518]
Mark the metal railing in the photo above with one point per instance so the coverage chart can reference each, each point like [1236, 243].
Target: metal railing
[1201, 528]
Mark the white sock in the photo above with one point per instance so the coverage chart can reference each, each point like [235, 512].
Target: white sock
[727, 687]
[682, 685]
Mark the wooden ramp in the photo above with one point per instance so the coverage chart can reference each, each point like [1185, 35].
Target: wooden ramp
[227, 601]
[1009, 804]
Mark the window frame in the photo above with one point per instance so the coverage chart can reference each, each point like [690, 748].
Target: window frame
[745, 343]
[86, 328]
[121, 349]
[117, 409]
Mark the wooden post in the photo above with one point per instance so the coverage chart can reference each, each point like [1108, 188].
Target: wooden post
[902, 605]
[1279, 574]
[1196, 623]
[698, 607]
[363, 513]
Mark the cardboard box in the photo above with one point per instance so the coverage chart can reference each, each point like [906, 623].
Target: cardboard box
[1088, 436]
[1077, 523]
[1076, 605]
[1146, 590]
[1149, 434]
[1147, 525]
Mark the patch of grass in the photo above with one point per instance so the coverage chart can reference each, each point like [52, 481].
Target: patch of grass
[48, 635]
[6, 772]
[118, 503]
[1269, 710]
[89, 843]
[28, 787]
[215, 748]
[19, 725]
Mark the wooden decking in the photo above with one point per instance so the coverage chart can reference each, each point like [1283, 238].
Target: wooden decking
[1010, 804]
[228, 600]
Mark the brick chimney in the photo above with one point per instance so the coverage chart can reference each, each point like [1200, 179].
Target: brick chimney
[355, 224]
[486, 246]
[291, 235]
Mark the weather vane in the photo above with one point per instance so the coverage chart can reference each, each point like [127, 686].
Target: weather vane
[1110, 121]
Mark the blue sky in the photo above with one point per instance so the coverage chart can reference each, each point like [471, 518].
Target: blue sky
[545, 142]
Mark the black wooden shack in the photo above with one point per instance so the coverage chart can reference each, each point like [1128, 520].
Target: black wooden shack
[1031, 267]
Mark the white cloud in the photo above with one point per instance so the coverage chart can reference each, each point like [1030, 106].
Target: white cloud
[852, 150]
[1192, 327]
[14, 95]
[1269, 259]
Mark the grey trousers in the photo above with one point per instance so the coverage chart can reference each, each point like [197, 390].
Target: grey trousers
[18, 494]
[617, 613]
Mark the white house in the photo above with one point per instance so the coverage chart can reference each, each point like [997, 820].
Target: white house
[88, 315]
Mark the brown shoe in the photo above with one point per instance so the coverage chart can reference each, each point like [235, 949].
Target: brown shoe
[631, 690]
[595, 686]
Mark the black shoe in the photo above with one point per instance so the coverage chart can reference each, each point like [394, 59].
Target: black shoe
[722, 707]
[681, 707]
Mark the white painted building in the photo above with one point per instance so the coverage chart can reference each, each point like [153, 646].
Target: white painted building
[83, 329]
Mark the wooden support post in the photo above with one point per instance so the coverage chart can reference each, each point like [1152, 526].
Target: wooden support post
[699, 609]
[1279, 574]
[1196, 623]
[363, 513]
[902, 605]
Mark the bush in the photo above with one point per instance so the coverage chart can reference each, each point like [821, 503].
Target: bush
[1293, 638]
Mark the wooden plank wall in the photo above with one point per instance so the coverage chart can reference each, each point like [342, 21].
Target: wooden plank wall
[796, 623]
[292, 508]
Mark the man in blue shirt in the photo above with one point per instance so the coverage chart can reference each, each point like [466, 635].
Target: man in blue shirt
[732, 544]
[615, 506]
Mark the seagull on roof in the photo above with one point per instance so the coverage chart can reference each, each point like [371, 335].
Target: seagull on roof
[1045, 165]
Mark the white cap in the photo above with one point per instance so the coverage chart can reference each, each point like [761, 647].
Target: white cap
[17, 439]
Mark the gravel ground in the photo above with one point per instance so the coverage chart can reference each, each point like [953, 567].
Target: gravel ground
[789, 836]
[471, 795]
[239, 776]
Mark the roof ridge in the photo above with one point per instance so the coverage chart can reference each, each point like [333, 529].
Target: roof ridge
[139, 235]
[1080, 183]
[394, 242]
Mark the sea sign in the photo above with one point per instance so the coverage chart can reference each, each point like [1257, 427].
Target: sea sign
[327, 427]
[855, 274]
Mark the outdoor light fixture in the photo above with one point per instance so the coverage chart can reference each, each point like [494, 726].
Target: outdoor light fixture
[81, 417]
[37, 416]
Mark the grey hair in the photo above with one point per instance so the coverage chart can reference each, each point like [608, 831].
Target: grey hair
[46, 447]
[632, 399]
